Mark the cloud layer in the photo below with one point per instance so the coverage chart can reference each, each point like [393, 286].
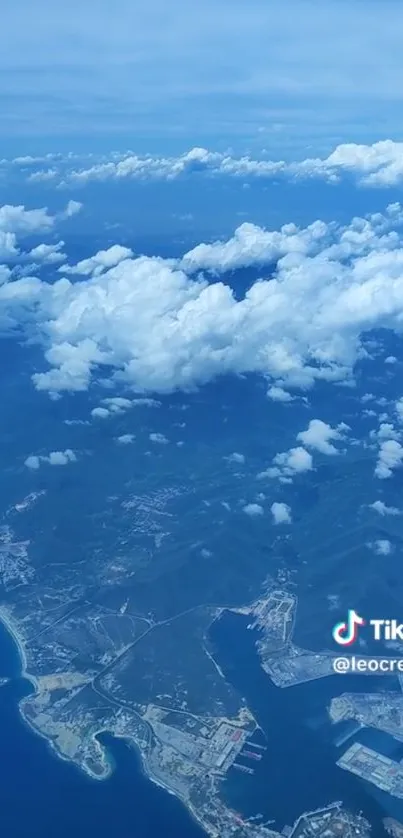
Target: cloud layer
[377, 165]
[160, 325]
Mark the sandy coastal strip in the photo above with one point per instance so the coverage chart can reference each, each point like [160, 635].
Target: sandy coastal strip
[11, 626]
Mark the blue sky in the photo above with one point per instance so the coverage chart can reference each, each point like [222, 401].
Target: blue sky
[161, 77]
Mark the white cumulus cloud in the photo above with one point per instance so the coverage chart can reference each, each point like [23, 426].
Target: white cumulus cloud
[54, 458]
[61, 458]
[281, 513]
[125, 439]
[158, 329]
[390, 457]
[254, 510]
[72, 208]
[97, 264]
[278, 394]
[117, 403]
[47, 254]
[320, 436]
[100, 413]
[382, 547]
[160, 439]
[251, 245]
[32, 462]
[288, 463]
[17, 222]
[385, 431]
[236, 458]
[382, 509]
[376, 165]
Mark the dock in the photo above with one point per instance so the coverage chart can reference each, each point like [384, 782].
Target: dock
[255, 745]
[243, 768]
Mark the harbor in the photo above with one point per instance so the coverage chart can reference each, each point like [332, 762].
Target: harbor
[297, 770]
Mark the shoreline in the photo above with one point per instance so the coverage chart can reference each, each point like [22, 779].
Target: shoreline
[151, 777]
[9, 624]
[109, 765]
[106, 759]
[185, 803]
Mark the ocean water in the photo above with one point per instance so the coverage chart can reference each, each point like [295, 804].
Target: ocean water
[43, 797]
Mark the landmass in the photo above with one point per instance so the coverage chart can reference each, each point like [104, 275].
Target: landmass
[383, 710]
[393, 827]
[112, 625]
[101, 668]
[329, 822]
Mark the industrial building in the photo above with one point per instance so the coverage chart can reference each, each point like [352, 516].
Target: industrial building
[382, 771]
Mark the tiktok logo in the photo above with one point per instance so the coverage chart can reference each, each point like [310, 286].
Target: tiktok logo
[346, 633]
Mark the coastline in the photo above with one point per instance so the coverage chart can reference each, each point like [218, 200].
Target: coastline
[185, 802]
[9, 624]
[106, 760]
[108, 763]
[145, 770]
[135, 773]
